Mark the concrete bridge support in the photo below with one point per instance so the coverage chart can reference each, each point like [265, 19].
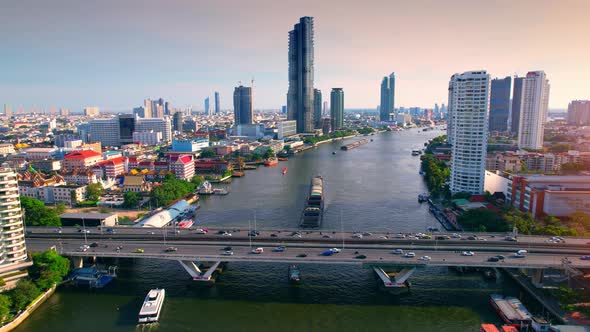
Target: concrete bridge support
[399, 279]
[537, 277]
[78, 262]
[196, 273]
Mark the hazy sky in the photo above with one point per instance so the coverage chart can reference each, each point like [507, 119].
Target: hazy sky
[116, 53]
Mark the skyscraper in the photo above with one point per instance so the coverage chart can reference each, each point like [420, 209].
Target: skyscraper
[325, 109]
[177, 120]
[387, 106]
[516, 105]
[500, 104]
[126, 128]
[207, 111]
[217, 105]
[300, 95]
[91, 111]
[578, 112]
[535, 99]
[317, 108]
[147, 108]
[7, 111]
[337, 108]
[243, 108]
[284, 109]
[469, 95]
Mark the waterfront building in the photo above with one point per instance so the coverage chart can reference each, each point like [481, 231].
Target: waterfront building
[500, 104]
[533, 113]
[286, 128]
[183, 167]
[243, 108]
[469, 96]
[217, 103]
[387, 106]
[337, 108]
[13, 251]
[517, 91]
[91, 111]
[578, 113]
[300, 96]
[317, 108]
[207, 111]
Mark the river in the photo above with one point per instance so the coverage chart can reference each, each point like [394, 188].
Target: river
[372, 187]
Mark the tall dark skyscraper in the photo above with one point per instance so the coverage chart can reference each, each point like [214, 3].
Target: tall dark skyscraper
[243, 111]
[317, 108]
[300, 104]
[387, 106]
[500, 104]
[177, 120]
[217, 105]
[516, 104]
[207, 109]
[337, 108]
[126, 128]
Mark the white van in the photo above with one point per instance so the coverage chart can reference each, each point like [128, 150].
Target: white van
[258, 251]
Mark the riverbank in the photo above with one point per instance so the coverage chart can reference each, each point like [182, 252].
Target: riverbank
[20, 318]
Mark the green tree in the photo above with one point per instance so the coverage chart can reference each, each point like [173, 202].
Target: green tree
[170, 190]
[37, 214]
[24, 292]
[482, 220]
[49, 268]
[5, 305]
[93, 191]
[269, 153]
[208, 153]
[197, 180]
[523, 221]
[572, 168]
[131, 199]
[560, 148]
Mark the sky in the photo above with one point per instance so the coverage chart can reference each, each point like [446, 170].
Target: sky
[115, 53]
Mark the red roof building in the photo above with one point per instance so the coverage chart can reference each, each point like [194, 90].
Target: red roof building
[183, 167]
[80, 160]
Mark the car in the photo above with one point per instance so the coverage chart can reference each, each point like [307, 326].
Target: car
[228, 253]
[302, 255]
[57, 231]
[442, 237]
[257, 251]
[357, 236]
[295, 233]
[84, 247]
[456, 236]
[518, 255]
[585, 258]
[410, 255]
[360, 257]
[510, 238]
[493, 259]
[226, 234]
[138, 251]
[221, 231]
[327, 253]
[273, 235]
[426, 237]
[171, 249]
[84, 231]
[400, 236]
[253, 233]
[200, 231]
[384, 237]
[111, 231]
[472, 238]
[335, 250]
[501, 257]
[227, 248]
[326, 236]
[425, 258]
[93, 245]
[398, 252]
[279, 249]
[367, 234]
[467, 253]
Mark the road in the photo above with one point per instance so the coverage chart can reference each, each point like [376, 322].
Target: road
[375, 254]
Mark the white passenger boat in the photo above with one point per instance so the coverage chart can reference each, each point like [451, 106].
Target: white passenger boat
[152, 305]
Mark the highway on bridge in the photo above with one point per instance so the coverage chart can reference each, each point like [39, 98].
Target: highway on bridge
[206, 251]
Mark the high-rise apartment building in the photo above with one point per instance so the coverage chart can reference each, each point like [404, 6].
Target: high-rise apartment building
[469, 97]
[126, 128]
[317, 108]
[91, 111]
[7, 111]
[500, 104]
[163, 125]
[387, 106]
[177, 120]
[217, 103]
[533, 114]
[243, 108]
[147, 108]
[300, 104]
[105, 131]
[13, 251]
[516, 104]
[207, 110]
[337, 108]
[578, 112]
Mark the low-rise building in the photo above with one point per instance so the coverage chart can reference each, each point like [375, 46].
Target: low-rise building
[7, 148]
[190, 145]
[80, 160]
[80, 177]
[183, 167]
[40, 153]
[47, 165]
[147, 137]
[89, 219]
[136, 183]
[69, 194]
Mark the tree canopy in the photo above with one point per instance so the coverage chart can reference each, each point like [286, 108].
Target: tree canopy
[37, 214]
[49, 268]
[170, 190]
[482, 220]
[93, 191]
[131, 199]
[24, 292]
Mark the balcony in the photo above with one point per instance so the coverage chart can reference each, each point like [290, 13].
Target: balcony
[13, 244]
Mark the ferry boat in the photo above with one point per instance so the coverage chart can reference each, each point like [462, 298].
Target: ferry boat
[152, 305]
[205, 188]
[283, 159]
[271, 162]
[186, 223]
[284, 170]
[313, 212]
[294, 275]
[511, 310]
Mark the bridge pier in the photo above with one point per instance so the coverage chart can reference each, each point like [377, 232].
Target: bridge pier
[399, 280]
[196, 273]
[537, 277]
[78, 262]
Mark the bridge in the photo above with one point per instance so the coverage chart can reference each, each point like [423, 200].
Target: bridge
[374, 250]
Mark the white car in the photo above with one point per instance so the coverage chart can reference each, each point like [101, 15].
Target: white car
[398, 251]
[335, 250]
[400, 236]
[425, 258]
[456, 236]
[410, 255]
[467, 253]
[228, 253]
[201, 231]
[226, 234]
[357, 236]
[383, 237]
[258, 251]
[84, 247]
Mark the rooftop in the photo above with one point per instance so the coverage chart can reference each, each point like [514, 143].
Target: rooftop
[69, 215]
[82, 154]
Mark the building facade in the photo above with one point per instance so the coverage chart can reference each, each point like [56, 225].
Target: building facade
[337, 108]
[387, 105]
[300, 96]
[469, 108]
[91, 111]
[517, 89]
[533, 115]
[217, 103]
[243, 108]
[500, 104]
[163, 125]
[578, 113]
[317, 108]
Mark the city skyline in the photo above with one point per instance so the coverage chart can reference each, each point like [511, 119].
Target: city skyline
[57, 57]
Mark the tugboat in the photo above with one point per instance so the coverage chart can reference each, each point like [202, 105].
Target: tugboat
[284, 170]
[271, 162]
[294, 275]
